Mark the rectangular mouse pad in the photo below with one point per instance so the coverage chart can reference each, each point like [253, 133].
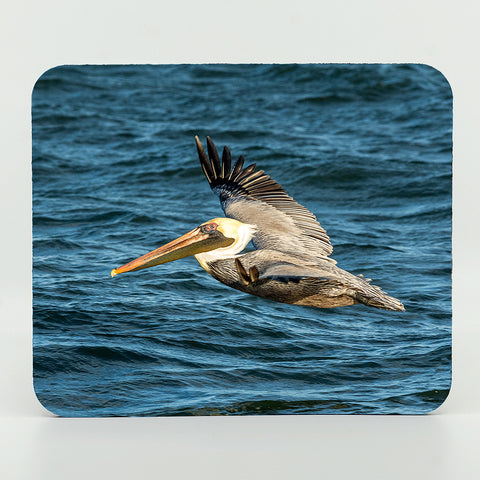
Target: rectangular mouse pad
[241, 239]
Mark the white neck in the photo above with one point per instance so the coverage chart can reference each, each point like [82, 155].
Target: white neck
[245, 234]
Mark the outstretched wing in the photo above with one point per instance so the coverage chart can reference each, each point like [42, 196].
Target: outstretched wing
[253, 197]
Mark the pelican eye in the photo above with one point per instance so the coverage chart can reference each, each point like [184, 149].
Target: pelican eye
[210, 227]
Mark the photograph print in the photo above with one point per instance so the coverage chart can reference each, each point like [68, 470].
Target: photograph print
[255, 239]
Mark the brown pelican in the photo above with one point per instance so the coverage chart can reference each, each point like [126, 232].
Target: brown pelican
[291, 263]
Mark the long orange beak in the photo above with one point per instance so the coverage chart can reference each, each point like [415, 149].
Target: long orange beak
[191, 243]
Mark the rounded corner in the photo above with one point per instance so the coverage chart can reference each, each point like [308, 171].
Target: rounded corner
[40, 402]
[441, 74]
[442, 405]
[44, 74]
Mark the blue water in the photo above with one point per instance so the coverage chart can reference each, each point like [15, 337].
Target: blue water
[367, 148]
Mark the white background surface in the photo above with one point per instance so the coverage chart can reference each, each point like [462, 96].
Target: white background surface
[38, 35]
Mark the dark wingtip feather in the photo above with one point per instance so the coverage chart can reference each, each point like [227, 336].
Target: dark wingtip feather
[238, 167]
[226, 162]
[207, 169]
[245, 173]
[214, 158]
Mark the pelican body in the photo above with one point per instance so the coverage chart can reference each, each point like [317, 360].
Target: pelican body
[291, 262]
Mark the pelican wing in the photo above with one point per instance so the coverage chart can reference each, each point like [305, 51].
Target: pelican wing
[289, 272]
[253, 197]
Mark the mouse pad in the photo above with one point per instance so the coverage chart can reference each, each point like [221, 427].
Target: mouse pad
[241, 239]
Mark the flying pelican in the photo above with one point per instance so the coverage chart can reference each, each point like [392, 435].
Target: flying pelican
[291, 263]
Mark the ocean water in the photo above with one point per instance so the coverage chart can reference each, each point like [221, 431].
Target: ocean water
[367, 148]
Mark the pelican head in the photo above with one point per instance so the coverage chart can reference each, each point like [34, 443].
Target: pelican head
[218, 238]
